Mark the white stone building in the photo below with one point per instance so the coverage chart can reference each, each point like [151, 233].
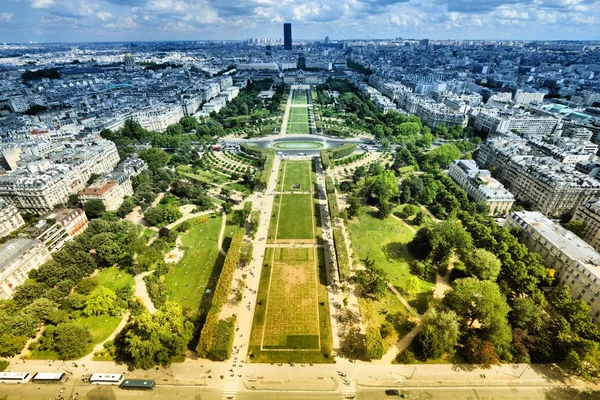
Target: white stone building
[19, 256]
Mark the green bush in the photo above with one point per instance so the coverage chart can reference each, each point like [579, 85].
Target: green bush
[342, 151]
[222, 344]
[329, 186]
[342, 253]
[209, 330]
[325, 162]
[334, 212]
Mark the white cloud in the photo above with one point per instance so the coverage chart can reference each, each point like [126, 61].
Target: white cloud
[42, 3]
[6, 17]
[104, 15]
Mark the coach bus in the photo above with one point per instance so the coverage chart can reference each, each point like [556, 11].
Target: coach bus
[15, 377]
[107, 379]
[49, 377]
[137, 384]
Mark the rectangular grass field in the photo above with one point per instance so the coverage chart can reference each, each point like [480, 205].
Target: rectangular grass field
[297, 173]
[292, 314]
[295, 219]
[303, 334]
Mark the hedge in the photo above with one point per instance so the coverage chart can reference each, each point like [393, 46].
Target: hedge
[329, 186]
[342, 253]
[207, 335]
[334, 212]
[222, 344]
[342, 151]
[267, 156]
[325, 159]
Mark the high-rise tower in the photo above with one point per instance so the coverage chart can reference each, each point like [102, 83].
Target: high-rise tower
[287, 36]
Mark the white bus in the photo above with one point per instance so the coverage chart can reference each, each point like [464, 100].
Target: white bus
[107, 379]
[49, 377]
[15, 377]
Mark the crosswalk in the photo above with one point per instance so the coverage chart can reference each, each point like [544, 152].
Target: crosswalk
[348, 388]
[231, 388]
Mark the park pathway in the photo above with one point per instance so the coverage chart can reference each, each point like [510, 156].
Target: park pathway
[141, 291]
[286, 116]
[221, 234]
[401, 345]
[100, 346]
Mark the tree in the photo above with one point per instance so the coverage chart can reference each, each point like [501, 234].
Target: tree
[481, 352]
[156, 339]
[413, 285]
[381, 187]
[94, 208]
[100, 301]
[373, 344]
[73, 201]
[70, 340]
[11, 344]
[476, 300]
[483, 265]
[353, 206]
[126, 207]
[153, 216]
[155, 158]
[107, 248]
[577, 227]
[419, 218]
[372, 282]
[526, 314]
[439, 334]
[41, 309]
[171, 213]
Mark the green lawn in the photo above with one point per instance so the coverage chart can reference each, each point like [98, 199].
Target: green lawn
[291, 323]
[114, 278]
[211, 176]
[292, 310]
[299, 97]
[149, 233]
[238, 187]
[385, 243]
[100, 326]
[295, 219]
[426, 221]
[297, 173]
[300, 129]
[200, 267]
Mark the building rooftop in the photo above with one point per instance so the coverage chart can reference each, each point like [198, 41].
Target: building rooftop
[13, 249]
[566, 241]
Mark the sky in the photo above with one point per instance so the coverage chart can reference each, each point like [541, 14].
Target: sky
[132, 20]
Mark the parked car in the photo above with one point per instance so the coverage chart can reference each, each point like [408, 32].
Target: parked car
[392, 392]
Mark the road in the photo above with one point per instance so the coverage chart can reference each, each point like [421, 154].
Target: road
[89, 392]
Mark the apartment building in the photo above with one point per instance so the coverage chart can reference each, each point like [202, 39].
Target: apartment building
[10, 219]
[480, 186]
[43, 184]
[158, 118]
[549, 185]
[58, 228]
[111, 190]
[493, 121]
[576, 263]
[589, 214]
[19, 256]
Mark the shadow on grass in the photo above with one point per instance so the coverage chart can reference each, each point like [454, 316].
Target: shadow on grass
[421, 302]
[571, 394]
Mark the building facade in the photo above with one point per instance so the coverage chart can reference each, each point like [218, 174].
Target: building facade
[110, 191]
[480, 186]
[19, 256]
[10, 219]
[589, 214]
[576, 263]
[287, 36]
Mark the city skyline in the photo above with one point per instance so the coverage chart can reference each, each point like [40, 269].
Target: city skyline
[155, 20]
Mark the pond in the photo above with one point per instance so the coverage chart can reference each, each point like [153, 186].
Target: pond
[297, 145]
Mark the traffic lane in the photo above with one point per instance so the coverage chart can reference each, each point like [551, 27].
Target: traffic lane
[480, 393]
[101, 392]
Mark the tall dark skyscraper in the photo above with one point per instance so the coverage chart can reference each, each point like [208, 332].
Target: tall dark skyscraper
[287, 36]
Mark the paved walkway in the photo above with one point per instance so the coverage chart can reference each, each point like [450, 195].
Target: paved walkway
[401, 345]
[286, 116]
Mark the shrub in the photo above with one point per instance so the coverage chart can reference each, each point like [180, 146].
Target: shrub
[342, 253]
[207, 335]
[222, 344]
[334, 211]
[325, 162]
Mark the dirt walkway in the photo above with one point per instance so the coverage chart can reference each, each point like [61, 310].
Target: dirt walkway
[221, 234]
[142, 293]
[402, 344]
